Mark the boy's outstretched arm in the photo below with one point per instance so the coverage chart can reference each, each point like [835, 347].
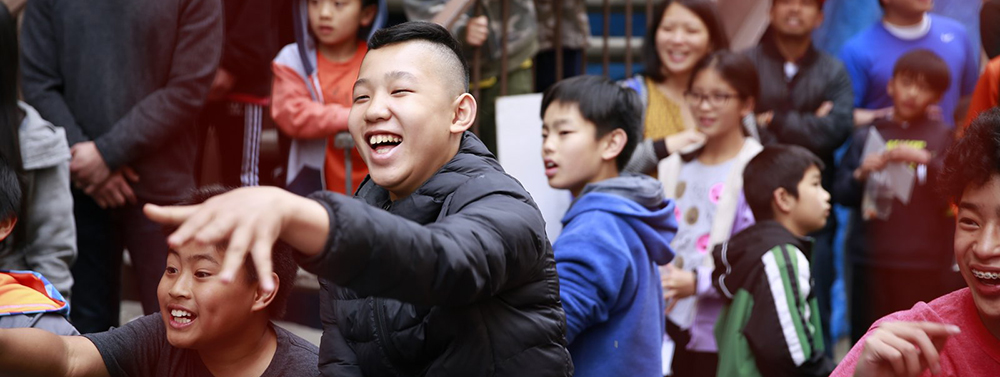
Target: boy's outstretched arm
[249, 219]
[36, 352]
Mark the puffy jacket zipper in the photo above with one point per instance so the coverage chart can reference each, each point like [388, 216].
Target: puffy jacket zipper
[391, 352]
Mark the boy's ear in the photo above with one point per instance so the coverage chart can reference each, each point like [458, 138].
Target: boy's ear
[464, 115]
[783, 200]
[261, 299]
[368, 15]
[7, 226]
[612, 144]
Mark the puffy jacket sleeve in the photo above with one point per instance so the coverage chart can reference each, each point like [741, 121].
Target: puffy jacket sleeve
[336, 357]
[297, 114]
[593, 268]
[176, 104]
[494, 240]
[821, 135]
[51, 231]
[783, 330]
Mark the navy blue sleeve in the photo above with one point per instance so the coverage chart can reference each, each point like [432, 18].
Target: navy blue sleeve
[846, 190]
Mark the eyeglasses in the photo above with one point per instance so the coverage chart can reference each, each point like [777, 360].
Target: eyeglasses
[714, 99]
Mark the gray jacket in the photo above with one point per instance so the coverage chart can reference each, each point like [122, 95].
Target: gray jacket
[51, 231]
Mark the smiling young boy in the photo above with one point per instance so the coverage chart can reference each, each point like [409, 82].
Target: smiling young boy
[204, 327]
[770, 325]
[957, 334]
[885, 253]
[311, 94]
[615, 234]
[440, 264]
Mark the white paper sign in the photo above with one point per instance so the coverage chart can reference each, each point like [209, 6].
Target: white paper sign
[519, 144]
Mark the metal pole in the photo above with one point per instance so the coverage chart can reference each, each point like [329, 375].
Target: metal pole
[505, 15]
[607, 26]
[557, 43]
[628, 38]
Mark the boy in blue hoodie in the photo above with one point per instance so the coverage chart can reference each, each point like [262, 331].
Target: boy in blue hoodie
[615, 234]
[770, 325]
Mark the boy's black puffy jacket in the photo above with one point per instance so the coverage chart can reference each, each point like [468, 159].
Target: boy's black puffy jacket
[457, 279]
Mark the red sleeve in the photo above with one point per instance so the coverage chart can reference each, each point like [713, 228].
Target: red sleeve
[296, 114]
[986, 94]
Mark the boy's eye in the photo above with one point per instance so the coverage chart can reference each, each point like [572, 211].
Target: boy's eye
[401, 91]
[171, 270]
[360, 98]
[967, 223]
[202, 274]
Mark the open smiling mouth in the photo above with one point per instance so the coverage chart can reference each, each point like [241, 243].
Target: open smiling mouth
[991, 278]
[384, 143]
[182, 317]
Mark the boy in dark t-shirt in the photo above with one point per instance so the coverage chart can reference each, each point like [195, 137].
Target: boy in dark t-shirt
[204, 328]
[887, 251]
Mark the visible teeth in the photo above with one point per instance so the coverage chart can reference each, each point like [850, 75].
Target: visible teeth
[379, 139]
[182, 320]
[985, 275]
[550, 164]
[180, 313]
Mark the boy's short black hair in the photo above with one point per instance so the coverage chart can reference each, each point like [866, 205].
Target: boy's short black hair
[282, 255]
[777, 166]
[10, 188]
[608, 105]
[433, 33]
[974, 159]
[925, 64]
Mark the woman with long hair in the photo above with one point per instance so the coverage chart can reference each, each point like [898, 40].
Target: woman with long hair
[681, 33]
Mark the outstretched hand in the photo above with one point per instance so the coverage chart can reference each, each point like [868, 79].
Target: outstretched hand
[904, 349]
[247, 220]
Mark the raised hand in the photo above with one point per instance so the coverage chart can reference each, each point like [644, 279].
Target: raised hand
[903, 349]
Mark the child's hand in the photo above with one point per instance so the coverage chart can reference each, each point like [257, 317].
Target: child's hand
[681, 140]
[908, 154]
[250, 220]
[872, 163]
[677, 284]
[824, 109]
[903, 349]
[476, 31]
[764, 119]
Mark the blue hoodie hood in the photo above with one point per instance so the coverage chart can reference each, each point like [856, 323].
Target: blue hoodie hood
[639, 201]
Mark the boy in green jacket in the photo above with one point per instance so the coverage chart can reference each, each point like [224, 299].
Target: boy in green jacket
[770, 325]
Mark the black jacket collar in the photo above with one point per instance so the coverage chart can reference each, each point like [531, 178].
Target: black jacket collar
[768, 44]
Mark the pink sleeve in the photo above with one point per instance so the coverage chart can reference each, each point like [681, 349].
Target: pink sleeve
[703, 283]
[297, 114]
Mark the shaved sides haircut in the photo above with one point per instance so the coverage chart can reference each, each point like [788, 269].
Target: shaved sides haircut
[451, 62]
